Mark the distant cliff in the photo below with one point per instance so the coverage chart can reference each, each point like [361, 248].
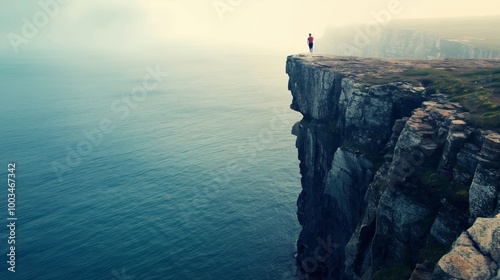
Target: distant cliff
[394, 43]
[397, 179]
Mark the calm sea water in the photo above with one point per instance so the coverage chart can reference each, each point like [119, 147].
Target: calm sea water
[198, 179]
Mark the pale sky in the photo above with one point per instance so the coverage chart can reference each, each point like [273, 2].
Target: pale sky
[278, 24]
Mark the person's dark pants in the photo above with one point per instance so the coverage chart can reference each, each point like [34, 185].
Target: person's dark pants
[311, 47]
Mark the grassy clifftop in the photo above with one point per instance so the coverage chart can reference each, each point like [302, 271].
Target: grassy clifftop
[477, 90]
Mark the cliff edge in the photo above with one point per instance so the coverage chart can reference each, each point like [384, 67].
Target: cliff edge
[400, 165]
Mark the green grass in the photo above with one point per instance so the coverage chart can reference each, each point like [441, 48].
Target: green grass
[397, 272]
[374, 156]
[443, 187]
[433, 251]
[478, 91]
[426, 72]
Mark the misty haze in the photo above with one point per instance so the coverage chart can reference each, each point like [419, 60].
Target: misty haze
[237, 139]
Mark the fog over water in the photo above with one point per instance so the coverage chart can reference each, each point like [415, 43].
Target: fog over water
[274, 25]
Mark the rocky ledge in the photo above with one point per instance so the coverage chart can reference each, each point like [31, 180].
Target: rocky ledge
[393, 173]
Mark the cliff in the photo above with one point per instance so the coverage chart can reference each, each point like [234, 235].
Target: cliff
[394, 171]
[421, 44]
[393, 43]
[475, 37]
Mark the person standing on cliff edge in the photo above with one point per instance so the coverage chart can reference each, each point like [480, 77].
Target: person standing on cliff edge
[310, 42]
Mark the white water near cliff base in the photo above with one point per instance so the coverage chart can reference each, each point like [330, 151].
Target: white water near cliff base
[198, 179]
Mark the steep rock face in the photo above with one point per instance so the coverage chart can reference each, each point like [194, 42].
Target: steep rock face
[485, 188]
[386, 168]
[410, 209]
[335, 170]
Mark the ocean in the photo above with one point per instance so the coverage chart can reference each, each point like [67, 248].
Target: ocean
[175, 164]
